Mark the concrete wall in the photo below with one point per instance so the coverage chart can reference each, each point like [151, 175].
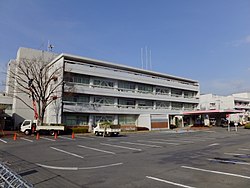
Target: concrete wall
[54, 110]
[20, 110]
[144, 120]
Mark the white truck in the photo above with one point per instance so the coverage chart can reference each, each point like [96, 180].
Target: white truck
[107, 129]
[31, 126]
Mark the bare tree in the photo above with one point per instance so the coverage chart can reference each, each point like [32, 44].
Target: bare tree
[38, 80]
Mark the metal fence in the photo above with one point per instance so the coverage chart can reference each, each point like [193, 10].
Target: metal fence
[10, 179]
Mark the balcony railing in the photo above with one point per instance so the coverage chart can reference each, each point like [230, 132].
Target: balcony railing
[133, 90]
[81, 106]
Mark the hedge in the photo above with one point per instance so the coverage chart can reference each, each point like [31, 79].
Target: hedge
[84, 129]
[247, 126]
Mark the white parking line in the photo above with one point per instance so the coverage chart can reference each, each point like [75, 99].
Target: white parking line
[216, 172]
[95, 149]
[67, 138]
[84, 137]
[3, 141]
[158, 142]
[169, 182]
[73, 154]
[26, 139]
[195, 140]
[174, 140]
[103, 166]
[229, 161]
[214, 144]
[139, 144]
[47, 139]
[124, 147]
[244, 149]
[78, 168]
[235, 154]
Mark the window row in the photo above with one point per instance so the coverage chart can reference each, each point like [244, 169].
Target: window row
[83, 120]
[124, 102]
[127, 86]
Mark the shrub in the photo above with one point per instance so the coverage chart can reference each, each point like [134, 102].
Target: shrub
[82, 129]
[247, 126]
[172, 126]
[142, 129]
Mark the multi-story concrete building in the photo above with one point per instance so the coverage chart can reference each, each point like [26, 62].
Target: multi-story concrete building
[237, 101]
[104, 91]
[20, 111]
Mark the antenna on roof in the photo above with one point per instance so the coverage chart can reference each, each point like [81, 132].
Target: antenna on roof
[147, 58]
[50, 46]
[150, 58]
[142, 58]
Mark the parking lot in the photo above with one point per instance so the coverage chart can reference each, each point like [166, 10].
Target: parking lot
[210, 158]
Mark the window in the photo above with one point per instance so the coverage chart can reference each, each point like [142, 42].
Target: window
[104, 118]
[145, 88]
[126, 103]
[162, 105]
[77, 98]
[162, 91]
[127, 119]
[104, 100]
[126, 85]
[176, 105]
[176, 93]
[145, 104]
[103, 83]
[77, 78]
[189, 94]
[75, 120]
[188, 106]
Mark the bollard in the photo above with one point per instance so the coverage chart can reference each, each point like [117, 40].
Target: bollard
[73, 135]
[55, 135]
[37, 136]
[15, 136]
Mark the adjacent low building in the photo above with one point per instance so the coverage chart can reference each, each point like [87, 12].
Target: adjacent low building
[95, 91]
[237, 101]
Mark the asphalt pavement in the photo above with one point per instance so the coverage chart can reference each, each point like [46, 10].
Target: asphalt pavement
[185, 158]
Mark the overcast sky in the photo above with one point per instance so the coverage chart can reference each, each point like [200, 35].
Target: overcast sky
[204, 40]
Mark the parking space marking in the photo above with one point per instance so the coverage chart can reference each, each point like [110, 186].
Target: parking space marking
[124, 147]
[82, 137]
[73, 154]
[174, 140]
[195, 140]
[95, 149]
[26, 139]
[229, 161]
[235, 154]
[77, 168]
[169, 182]
[67, 138]
[103, 166]
[45, 138]
[244, 149]
[158, 142]
[139, 144]
[3, 141]
[216, 172]
[214, 144]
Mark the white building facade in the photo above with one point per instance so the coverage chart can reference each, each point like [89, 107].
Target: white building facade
[128, 96]
[237, 101]
[96, 91]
